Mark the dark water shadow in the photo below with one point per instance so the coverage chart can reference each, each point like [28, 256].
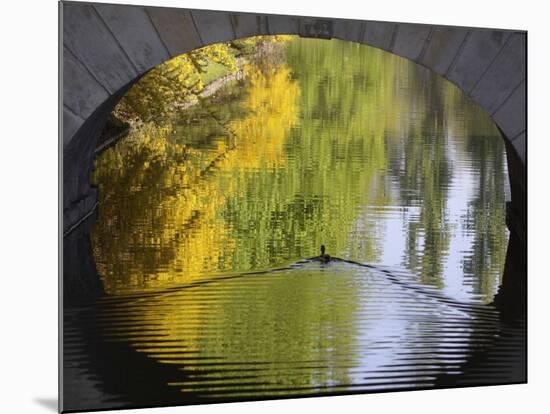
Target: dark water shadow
[48, 403]
[120, 377]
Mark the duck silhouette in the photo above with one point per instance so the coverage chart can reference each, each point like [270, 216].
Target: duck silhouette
[324, 258]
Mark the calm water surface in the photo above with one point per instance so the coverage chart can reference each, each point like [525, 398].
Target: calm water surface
[204, 227]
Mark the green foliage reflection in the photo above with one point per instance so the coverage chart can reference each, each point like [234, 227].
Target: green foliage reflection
[327, 148]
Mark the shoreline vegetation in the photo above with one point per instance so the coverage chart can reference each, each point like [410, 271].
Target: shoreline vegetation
[171, 89]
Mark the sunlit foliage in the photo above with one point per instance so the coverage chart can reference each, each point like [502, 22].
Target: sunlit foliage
[165, 90]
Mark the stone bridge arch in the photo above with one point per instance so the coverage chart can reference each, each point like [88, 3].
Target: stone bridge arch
[106, 48]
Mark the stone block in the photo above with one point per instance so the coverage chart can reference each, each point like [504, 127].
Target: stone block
[135, 33]
[176, 29]
[476, 55]
[443, 47]
[410, 40]
[504, 74]
[87, 36]
[71, 124]
[283, 25]
[511, 116]
[317, 28]
[248, 24]
[351, 30]
[81, 92]
[213, 26]
[379, 34]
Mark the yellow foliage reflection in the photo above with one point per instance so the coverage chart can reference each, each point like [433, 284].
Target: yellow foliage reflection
[160, 221]
[272, 109]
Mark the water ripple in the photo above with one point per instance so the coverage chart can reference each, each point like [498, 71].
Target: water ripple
[306, 329]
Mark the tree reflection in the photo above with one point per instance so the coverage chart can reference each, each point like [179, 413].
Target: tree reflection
[297, 156]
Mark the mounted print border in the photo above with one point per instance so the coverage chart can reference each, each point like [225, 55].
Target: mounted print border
[106, 49]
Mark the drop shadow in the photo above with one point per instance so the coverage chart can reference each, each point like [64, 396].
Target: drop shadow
[49, 403]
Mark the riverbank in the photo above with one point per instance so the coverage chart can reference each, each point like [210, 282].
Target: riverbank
[117, 128]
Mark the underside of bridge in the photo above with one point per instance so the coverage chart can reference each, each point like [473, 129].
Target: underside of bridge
[106, 48]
